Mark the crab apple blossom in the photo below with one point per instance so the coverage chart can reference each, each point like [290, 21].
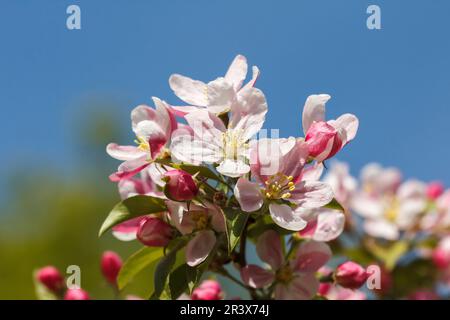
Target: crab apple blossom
[111, 263]
[51, 278]
[154, 232]
[389, 208]
[76, 294]
[285, 187]
[180, 186]
[350, 275]
[200, 221]
[208, 290]
[216, 96]
[325, 139]
[250, 191]
[293, 279]
[213, 142]
[153, 129]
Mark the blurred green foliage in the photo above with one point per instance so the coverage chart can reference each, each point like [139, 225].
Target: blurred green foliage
[52, 216]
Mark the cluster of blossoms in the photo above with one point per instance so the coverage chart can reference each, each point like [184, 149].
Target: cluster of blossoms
[198, 184]
[401, 225]
[202, 184]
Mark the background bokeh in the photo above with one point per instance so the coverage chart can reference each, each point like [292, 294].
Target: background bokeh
[65, 94]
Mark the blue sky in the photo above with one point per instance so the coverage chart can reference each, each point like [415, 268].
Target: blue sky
[396, 80]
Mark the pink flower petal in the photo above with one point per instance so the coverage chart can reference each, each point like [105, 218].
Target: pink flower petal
[268, 248]
[311, 256]
[198, 249]
[188, 90]
[284, 216]
[248, 194]
[256, 277]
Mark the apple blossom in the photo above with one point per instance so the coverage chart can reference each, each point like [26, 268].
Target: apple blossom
[202, 222]
[284, 186]
[216, 96]
[51, 278]
[293, 279]
[110, 266]
[180, 186]
[153, 129]
[154, 232]
[213, 142]
[387, 207]
[325, 139]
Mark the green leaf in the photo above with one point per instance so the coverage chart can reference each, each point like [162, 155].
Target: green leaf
[131, 208]
[236, 221]
[42, 293]
[181, 279]
[335, 205]
[136, 263]
[164, 267]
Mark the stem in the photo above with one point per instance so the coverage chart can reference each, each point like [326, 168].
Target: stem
[226, 274]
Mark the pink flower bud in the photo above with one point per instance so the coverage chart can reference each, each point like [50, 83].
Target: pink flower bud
[76, 294]
[110, 265]
[180, 186]
[324, 288]
[154, 232]
[434, 190]
[441, 258]
[323, 140]
[423, 295]
[208, 290]
[51, 278]
[350, 275]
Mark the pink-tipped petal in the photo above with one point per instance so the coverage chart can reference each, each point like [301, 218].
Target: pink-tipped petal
[124, 153]
[312, 194]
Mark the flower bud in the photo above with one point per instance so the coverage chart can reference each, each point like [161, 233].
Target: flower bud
[154, 232]
[51, 278]
[180, 186]
[208, 290]
[441, 258]
[76, 294]
[350, 275]
[323, 140]
[110, 265]
[434, 190]
[324, 288]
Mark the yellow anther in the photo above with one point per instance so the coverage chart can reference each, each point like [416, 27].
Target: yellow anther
[286, 195]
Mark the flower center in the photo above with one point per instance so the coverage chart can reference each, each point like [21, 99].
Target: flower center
[233, 144]
[200, 219]
[392, 211]
[142, 144]
[285, 274]
[279, 186]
